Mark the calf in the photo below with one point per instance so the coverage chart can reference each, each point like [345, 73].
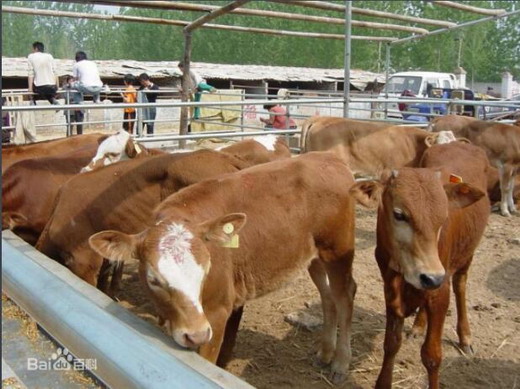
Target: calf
[56, 147]
[120, 196]
[502, 145]
[428, 228]
[260, 149]
[200, 287]
[118, 147]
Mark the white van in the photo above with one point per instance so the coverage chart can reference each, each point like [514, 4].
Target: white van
[417, 83]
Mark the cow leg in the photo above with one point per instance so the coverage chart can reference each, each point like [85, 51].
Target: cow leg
[419, 324]
[230, 337]
[330, 320]
[463, 330]
[117, 277]
[343, 290]
[218, 320]
[393, 339]
[431, 352]
[104, 274]
[510, 192]
[505, 175]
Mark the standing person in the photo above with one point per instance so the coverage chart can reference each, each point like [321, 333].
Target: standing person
[149, 114]
[42, 79]
[198, 85]
[76, 116]
[129, 96]
[277, 118]
[86, 78]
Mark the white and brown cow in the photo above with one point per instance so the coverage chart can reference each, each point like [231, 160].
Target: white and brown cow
[199, 287]
[118, 147]
[430, 222]
[259, 149]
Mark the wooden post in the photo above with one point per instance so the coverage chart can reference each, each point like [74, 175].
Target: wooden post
[186, 84]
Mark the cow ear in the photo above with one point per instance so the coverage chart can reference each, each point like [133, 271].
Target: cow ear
[130, 149]
[460, 195]
[11, 220]
[114, 245]
[223, 229]
[367, 193]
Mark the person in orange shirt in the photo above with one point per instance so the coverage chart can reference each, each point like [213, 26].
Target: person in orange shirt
[129, 96]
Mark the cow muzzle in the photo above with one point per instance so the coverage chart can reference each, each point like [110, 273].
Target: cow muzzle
[193, 339]
[431, 281]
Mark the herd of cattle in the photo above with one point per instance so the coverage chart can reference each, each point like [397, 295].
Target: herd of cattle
[212, 229]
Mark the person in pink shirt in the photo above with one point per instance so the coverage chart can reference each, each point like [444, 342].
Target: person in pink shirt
[277, 118]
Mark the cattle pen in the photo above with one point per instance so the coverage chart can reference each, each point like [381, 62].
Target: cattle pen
[91, 325]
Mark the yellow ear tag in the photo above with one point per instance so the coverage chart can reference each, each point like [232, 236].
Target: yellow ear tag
[233, 243]
[455, 179]
[228, 228]
[137, 148]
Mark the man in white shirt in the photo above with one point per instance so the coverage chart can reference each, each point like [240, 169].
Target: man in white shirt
[42, 79]
[86, 78]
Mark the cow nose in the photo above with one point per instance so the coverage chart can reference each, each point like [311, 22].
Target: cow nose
[431, 282]
[195, 339]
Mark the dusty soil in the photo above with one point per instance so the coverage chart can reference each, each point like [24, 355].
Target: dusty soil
[271, 353]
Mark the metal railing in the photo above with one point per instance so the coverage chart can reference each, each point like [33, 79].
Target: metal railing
[371, 107]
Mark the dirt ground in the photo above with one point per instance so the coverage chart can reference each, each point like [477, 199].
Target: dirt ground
[271, 353]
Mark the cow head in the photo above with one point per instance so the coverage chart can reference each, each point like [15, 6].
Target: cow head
[413, 208]
[175, 260]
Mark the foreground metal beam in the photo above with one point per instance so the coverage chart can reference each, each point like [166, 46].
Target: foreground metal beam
[369, 12]
[183, 23]
[469, 8]
[177, 5]
[462, 25]
[214, 14]
[130, 353]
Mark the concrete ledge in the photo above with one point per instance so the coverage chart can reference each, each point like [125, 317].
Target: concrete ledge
[130, 353]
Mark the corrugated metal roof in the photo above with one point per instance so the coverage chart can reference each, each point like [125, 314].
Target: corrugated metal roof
[17, 68]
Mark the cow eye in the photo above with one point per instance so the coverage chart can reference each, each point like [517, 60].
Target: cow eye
[399, 215]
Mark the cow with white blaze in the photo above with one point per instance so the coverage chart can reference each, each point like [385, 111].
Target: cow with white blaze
[201, 261]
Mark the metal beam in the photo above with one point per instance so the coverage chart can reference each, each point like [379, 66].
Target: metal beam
[346, 78]
[214, 14]
[469, 8]
[255, 12]
[129, 352]
[183, 23]
[368, 12]
[462, 25]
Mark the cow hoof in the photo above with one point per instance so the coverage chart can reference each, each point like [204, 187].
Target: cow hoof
[337, 378]
[467, 349]
[415, 332]
[319, 363]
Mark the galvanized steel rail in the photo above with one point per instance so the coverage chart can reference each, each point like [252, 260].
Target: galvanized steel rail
[130, 353]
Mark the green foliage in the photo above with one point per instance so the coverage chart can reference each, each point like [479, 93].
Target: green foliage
[487, 49]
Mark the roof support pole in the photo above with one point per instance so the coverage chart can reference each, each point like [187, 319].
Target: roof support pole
[346, 80]
[186, 81]
[387, 73]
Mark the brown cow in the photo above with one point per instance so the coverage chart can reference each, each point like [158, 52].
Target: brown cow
[15, 153]
[321, 133]
[368, 148]
[119, 196]
[502, 145]
[260, 149]
[199, 286]
[30, 186]
[428, 228]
